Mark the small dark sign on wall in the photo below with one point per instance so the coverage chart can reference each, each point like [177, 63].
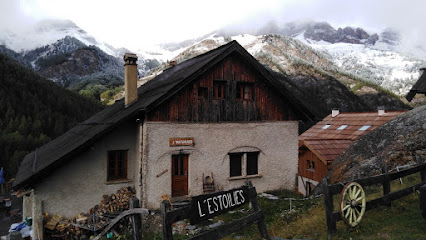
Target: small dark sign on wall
[210, 205]
[173, 142]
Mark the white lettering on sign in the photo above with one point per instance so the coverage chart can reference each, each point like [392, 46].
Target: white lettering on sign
[221, 202]
[181, 142]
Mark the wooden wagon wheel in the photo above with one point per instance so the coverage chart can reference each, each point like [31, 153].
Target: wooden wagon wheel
[352, 203]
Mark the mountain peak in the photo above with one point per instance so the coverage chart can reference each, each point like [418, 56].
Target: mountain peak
[58, 24]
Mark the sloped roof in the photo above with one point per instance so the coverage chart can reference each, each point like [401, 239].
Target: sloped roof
[327, 142]
[418, 87]
[327, 150]
[150, 95]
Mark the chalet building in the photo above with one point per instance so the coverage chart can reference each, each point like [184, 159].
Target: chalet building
[326, 140]
[206, 124]
[418, 87]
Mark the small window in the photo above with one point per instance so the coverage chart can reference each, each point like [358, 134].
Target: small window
[235, 164]
[203, 93]
[117, 165]
[326, 126]
[342, 127]
[248, 159]
[244, 91]
[219, 89]
[365, 127]
[252, 163]
[310, 165]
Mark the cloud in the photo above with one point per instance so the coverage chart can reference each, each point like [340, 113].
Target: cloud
[12, 17]
[137, 23]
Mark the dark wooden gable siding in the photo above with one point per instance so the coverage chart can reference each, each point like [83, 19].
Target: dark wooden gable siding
[187, 106]
[317, 171]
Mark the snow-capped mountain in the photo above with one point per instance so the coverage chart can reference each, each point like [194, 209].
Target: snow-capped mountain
[47, 32]
[385, 58]
[63, 52]
[382, 58]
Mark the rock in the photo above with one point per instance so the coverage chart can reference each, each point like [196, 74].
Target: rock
[268, 196]
[216, 224]
[191, 227]
[401, 141]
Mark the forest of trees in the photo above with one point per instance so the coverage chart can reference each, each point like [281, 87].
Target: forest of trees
[33, 111]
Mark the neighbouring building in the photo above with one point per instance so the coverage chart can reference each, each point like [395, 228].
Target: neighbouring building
[418, 87]
[206, 124]
[320, 145]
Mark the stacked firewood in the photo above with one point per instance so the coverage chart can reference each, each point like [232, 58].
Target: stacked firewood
[91, 222]
[115, 202]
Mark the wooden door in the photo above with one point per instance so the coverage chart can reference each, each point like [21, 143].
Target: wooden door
[179, 175]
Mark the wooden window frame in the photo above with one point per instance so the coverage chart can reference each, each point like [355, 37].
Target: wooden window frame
[219, 89]
[244, 91]
[310, 165]
[114, 158]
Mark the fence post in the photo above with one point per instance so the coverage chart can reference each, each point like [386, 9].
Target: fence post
[255, 204]
[167, 226]
[136, 219]
[329, 208]
[386, 185]
[423, 175]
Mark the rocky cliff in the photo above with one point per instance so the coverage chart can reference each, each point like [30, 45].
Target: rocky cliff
[401, 141]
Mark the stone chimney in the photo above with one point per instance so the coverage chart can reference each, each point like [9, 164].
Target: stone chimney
[130, 78]
[334, 112]
[172, 63]
[381, 111]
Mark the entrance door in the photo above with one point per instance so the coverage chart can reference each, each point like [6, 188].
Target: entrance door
[179, 175]
[309, 188]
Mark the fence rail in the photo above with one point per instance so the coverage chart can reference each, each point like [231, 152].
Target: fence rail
[256, 217]
[333, 189]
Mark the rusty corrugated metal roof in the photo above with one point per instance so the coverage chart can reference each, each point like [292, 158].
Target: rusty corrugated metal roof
[330, 137]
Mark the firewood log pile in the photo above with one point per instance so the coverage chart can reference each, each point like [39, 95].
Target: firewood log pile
[92, 222]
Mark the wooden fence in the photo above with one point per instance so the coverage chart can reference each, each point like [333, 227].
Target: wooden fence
[135, 213]
[188, 211]
[387, 198]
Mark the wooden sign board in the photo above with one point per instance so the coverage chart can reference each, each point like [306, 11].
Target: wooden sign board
[173, 142]
[204, 207]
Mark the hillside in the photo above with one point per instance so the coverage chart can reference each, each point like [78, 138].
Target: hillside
[33, 110]
[63, 52]
[401, 141]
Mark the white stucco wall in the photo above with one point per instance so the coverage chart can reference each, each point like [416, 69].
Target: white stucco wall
[79, 185]
[276, 141]
[302, 181]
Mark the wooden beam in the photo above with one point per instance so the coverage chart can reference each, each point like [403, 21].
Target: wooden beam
[119, 217]
[229, 228]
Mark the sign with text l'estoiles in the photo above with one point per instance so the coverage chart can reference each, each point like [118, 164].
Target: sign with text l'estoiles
[173, 142]
[210, 205]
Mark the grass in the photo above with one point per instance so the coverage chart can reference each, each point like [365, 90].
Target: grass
[401, 221]
[306, 219]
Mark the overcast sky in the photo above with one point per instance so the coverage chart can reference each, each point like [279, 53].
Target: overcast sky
[135, 23]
